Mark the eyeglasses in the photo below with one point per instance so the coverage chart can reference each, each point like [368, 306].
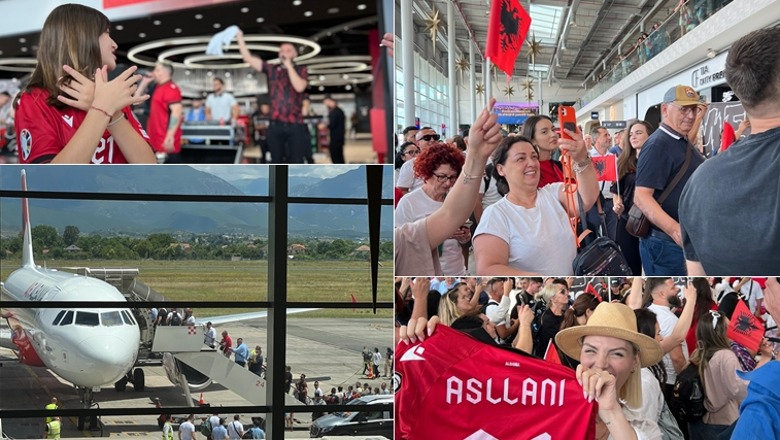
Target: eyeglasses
[430, 137]
[443, 178]
[412, 152]
[715, 317]
[689, 109]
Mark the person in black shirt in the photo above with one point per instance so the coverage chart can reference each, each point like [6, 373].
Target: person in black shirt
[556, 296]
[337, 128]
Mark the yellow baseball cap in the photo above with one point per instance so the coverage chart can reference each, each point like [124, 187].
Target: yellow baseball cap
[682, 96]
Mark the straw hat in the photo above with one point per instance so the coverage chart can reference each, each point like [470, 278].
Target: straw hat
[614, 320]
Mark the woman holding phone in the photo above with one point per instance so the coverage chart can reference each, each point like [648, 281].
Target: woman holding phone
[70, 112]
[528, 231]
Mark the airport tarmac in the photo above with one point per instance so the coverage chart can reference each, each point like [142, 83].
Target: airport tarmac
[318, 347]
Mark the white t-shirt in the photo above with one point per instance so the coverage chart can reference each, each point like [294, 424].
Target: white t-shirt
[417, 205]
[221, 106]
[540, 239]
[667, 320]
[752, 292]
[406, 177]
[235, 428]
[489, 195]
[186, 430]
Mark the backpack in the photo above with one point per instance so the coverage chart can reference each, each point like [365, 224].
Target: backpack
[687, 402]
[205, 428]
[175, 319]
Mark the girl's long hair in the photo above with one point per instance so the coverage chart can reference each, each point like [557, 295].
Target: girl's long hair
[69, 37]
[626, 162]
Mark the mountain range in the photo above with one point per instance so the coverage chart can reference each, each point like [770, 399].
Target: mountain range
[139, 217]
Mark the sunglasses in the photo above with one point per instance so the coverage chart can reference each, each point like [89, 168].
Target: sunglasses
[430, 137]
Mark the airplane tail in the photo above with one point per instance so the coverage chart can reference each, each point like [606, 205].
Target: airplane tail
[27, 253]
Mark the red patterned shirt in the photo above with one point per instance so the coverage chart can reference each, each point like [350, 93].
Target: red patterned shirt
[286, 103]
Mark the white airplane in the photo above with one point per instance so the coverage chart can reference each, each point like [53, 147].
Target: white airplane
[89, 347]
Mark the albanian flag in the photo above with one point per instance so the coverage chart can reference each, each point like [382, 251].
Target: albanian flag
[507, 29]
[606, 168]
[745, 328]
[551, 354]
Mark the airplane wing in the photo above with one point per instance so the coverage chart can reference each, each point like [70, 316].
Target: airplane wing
[225, 319]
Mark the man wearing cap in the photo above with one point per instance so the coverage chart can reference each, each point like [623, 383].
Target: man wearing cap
[754, 201]
[663, 155]
[407, 181]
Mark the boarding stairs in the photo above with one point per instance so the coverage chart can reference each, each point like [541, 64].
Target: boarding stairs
[185, 344]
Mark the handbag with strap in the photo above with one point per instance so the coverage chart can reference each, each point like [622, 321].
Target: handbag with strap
[638, 224]
[600, 256]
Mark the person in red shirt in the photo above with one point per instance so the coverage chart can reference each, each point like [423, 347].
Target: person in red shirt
[540, 130]
[66, 115]
[165, 113]
[226, 344]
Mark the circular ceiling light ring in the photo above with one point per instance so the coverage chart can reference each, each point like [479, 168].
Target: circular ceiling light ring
[336, 58]
[18, 64]
[133, 53]
[338, 80]
[200, 50]
[338, 67]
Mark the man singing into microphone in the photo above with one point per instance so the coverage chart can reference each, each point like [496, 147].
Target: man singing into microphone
[288, 137]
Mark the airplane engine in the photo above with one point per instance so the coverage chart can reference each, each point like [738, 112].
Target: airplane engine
[174, 367]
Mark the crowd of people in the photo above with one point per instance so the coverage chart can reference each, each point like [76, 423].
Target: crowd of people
[72, 83]
[519, 220]
[632, 354]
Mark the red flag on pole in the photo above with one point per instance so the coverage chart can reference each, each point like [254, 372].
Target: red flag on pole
[507, 28]
[606, 171]
[728, 137]
[745, 328]
[551, 355]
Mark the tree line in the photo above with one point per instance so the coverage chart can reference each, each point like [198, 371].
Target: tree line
[48, 243]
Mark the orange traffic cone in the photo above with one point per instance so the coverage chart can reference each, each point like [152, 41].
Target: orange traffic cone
[201, 402]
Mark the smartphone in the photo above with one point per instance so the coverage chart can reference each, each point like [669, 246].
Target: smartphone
[567, 118]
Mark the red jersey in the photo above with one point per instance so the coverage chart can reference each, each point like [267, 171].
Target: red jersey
[454, 387]
[160, 113]
[551, 171]
[43, 130]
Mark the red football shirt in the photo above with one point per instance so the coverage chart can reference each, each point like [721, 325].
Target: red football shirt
[43, 130]
[160, 113]
[454, 387]
[549, 173]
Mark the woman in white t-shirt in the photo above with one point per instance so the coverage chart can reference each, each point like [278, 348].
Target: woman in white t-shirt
[438, 166]
[528, 231]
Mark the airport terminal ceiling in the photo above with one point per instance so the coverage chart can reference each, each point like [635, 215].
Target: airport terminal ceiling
[575, 36]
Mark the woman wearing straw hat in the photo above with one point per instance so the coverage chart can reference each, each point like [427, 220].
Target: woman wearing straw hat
[611, 353]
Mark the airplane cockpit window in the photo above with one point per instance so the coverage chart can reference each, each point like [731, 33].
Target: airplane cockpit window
[68, 319]
[128, 317]
[110, 319]
[87, 318]
[58, 318]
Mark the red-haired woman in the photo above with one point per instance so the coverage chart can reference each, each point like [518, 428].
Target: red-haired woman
[438, 166]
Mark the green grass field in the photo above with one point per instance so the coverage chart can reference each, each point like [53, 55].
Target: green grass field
[248, 281]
